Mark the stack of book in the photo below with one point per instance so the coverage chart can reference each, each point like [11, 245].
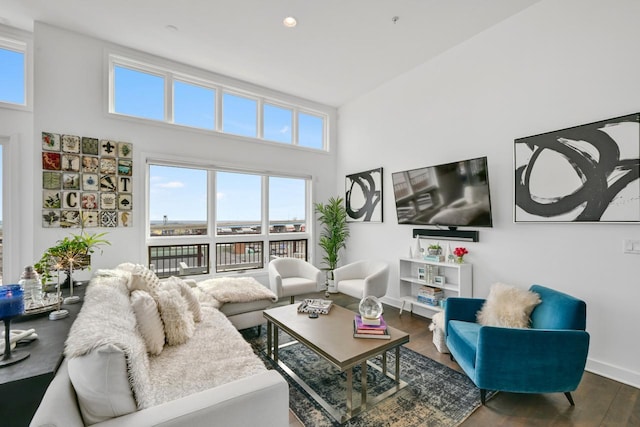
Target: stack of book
[368, 328]
[430, 295]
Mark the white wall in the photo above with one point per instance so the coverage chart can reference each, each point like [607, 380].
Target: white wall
[555, 65]
[70, 80]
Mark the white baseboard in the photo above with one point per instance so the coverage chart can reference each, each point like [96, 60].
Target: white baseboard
[613, 372]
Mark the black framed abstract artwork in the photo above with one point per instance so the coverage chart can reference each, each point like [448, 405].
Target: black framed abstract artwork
[587, 173]
[363, 196]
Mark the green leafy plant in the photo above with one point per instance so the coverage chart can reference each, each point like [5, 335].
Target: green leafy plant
[335, 231]
[435, 246]
[71, 252]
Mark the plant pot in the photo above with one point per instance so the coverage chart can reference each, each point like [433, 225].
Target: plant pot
[331, 286]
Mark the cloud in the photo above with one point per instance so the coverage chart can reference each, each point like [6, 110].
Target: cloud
[170, 184]
[285, 129]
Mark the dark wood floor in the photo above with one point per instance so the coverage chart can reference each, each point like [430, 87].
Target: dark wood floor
[599, 401]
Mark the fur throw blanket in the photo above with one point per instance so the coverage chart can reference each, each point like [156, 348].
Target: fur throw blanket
[235, 289]
[107, 318]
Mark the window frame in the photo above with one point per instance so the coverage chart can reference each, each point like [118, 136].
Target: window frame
[212, 237]
[219, 84]
[20, 41]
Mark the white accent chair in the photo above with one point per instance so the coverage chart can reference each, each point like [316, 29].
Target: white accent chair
[362, 278]
[289, 277]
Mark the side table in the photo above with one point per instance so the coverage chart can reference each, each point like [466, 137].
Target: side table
[23, 385]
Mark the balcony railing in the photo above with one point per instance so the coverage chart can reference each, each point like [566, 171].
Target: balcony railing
[238, 256]
[180, 260]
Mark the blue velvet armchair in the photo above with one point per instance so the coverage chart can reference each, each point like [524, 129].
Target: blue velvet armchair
[547, 358]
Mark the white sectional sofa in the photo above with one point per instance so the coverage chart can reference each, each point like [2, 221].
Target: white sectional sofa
[109, 378]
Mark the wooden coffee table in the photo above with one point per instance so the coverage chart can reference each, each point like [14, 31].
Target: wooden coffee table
[331, 336]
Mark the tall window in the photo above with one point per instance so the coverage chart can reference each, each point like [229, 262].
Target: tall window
[177, 201]
[239, 115]
[156, 93]
[287, 202]
[238, 203]
[250, 228]
[277, 123]
[1, 222]
[310, 131]
[138, 93]
[13, 87]
[194, 105]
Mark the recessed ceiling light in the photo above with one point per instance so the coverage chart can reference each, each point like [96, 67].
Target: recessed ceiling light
[289, 22]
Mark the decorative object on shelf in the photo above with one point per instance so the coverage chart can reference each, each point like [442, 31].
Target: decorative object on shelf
[434, 249]
[11, 305]
[448, 255]
[334, 234]
[72, 167]
[559, 179]
[418, 251]
[370, 309]
[30, 282]
[459, 253]
[439, 280]
[363, 196]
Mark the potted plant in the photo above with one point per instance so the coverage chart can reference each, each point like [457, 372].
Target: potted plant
[70, 253]
[434, 249]
[334, 234]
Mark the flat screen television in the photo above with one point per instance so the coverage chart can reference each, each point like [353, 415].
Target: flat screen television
[451, 195]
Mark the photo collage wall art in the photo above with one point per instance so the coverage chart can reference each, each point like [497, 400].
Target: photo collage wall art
[86, 182]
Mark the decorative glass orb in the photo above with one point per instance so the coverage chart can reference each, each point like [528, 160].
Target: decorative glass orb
[370, 307]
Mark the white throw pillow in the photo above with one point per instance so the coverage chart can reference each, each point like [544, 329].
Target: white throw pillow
[178, 321]
[508, 306]
[188, 294]
[141, 278]
[102, 385]
[148, 321]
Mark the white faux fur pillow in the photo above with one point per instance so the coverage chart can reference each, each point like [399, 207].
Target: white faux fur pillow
[508, 306]
[141, 277]
[178, 321]
[188, 294]
[148, 320]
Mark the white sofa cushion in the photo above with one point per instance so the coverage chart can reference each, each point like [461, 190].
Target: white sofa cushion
[508, 306]
[141, 277]
[149, 322]
[188, 294]
[178, 321]
[101, 384]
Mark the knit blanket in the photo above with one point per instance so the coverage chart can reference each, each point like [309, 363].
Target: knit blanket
[235, 289]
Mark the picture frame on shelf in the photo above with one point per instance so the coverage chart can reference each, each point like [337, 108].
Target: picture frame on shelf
[422, 273]
[439, 280]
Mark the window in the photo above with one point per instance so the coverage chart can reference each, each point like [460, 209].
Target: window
[1, 222]
[277, 123]
[238, 203]
[239, 115]
[177, 201]
[13, 88]
[310, 131]
[194, 105]
[152, 92]
[249, 226]
[287, 197]
[137, 93]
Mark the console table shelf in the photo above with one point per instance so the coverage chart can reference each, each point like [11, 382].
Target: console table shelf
[458, 281]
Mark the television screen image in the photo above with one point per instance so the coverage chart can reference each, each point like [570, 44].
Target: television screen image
[452, 194]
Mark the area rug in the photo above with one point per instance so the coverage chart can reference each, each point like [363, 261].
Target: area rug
[435, 396]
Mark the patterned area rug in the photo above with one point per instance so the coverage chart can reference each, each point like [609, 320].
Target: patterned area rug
[435, 396]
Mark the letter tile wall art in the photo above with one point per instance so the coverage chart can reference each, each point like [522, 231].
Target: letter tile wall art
[86, 181]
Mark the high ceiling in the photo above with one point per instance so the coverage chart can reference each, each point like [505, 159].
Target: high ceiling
[339, 50]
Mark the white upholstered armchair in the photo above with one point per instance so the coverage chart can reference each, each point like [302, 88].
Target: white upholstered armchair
[362, 278]
[289, 277]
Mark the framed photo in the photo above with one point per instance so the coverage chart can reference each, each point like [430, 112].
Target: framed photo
[588, 173]
[439, 280]
[363, 196]
[422, 273]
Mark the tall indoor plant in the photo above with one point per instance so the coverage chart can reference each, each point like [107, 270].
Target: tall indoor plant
[333, 236]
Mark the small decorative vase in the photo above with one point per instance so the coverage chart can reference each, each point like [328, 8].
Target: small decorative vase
[459, 260]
